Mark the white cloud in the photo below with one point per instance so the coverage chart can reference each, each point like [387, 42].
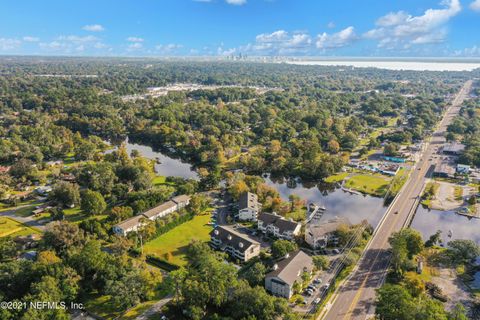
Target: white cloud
[475, 5]
[68, 44]
[279, 42]
[236, 2]
[401, 30]
[135, 39]
[30, 39]
[93, 27]
[336, 40]
[331, 25]
[7, 44]
[167, 49]
[135, 46]
[468, 52]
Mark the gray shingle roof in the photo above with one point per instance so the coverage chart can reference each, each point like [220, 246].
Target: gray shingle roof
[181, 198]
[281, 223]
[158, 209]
[130, 222]
[248, 200]
[237, 240]
[326, 227]
[290, 269]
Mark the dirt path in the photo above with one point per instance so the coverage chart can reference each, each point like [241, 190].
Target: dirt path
[445, 196]
[452, 287]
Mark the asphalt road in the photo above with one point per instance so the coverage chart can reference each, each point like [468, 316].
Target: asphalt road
[356, 297]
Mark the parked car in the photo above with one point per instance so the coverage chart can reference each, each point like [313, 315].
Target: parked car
[316, 301]
[312, 287]
[336, 251]
[317, 281]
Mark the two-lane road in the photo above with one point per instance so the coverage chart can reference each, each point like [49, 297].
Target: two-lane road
[356, 297]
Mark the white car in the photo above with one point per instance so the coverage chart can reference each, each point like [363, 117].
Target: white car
[316, 301]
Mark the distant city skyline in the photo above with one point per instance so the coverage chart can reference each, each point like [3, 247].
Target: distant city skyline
[346, 28]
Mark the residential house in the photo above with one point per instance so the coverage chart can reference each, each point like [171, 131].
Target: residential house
[319, 236]
[237, 245]
[182, 201]
[248, 207]
[279, 227]
[161, 210]
[166, 208]
[129, 225]
[281, 280]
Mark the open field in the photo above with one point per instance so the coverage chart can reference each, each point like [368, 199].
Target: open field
[176, 240]
[338, 177]
[374, 184]
[10, 227]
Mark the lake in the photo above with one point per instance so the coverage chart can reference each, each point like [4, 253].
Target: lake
[168, 166]
[427, 65]
[429, 221]
[338, 203]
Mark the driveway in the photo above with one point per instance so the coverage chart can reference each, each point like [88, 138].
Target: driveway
[29, 220]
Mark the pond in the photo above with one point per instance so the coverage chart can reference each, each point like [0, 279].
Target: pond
[338, 203]
[429, 221]
[167, 166]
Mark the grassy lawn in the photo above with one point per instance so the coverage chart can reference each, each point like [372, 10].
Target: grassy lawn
[102, 306]
[76, 215]
[161, 180]
[458, 193]
[25, 211]
[176, 240]
[10, 227]
[374, 184]
[338, 177]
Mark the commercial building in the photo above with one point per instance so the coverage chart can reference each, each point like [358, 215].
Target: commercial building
[453, 148]
[279, 227]
[236, 244]
[281, 280]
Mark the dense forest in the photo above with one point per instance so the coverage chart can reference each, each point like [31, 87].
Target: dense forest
[60, 119]
[307, 128]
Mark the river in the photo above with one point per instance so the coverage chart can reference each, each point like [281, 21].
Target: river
[168, 166]
[338, 203]
[429, 221]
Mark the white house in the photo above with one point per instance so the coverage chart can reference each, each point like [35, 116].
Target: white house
[166, 208]
[129, 225]
[248, 207]
[279, 227]
[286, 272]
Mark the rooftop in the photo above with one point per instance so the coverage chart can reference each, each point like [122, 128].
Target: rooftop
[281, 223]
[159, 209]
[319, 230]
[233, 238]
[291, 268]
[181, 198]
[130, 222]
[248, 200]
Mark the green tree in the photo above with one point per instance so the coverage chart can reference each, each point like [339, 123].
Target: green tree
[281, 247]
[463, 251]
[92, 202]
[66, 193]
[8, 248]
[255, 274]
[320, 262]
[394, 303]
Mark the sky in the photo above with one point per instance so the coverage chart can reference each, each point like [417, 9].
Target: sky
[363, 28]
